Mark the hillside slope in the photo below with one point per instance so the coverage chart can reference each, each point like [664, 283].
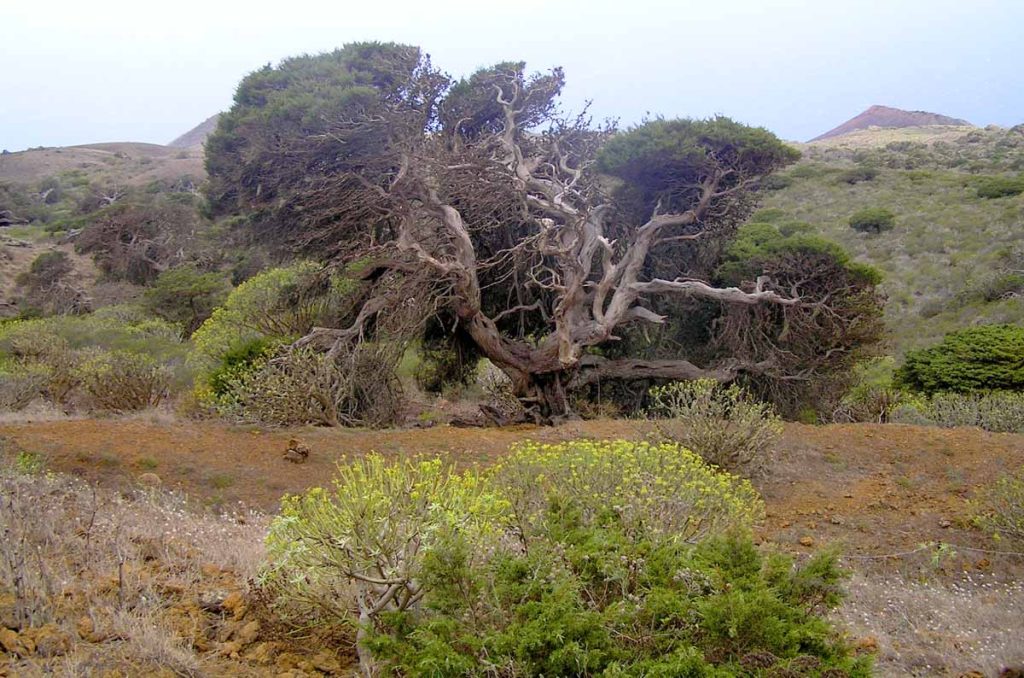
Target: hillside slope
[885, 116]
[951, 258]
[195, 137]
[129, 163]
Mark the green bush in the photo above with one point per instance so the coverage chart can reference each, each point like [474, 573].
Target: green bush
[186, 297]
[280, 304]
[1000, 508]
[566, 560]
[872, 397]
[363, 545]
[856, 175]
[872, 220]
[1000, 187]
[304, 386]
[120, 381]
[976, 358]
[723, 424]
[997, 411]
[651, 489]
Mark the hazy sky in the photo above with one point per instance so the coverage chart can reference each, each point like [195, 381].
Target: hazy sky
[82, 71]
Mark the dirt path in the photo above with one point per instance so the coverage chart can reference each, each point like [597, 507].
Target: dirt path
[873, 488]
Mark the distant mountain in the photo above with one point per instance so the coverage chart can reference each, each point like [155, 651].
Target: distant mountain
[195, 137]
[884, 116]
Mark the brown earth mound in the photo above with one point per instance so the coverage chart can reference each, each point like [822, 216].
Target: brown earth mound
[884, 116]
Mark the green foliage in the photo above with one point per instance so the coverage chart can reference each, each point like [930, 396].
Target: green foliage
[1000, 187]
[999, 508]
[653, 489]
[378, 525]
[240, 359]
[659, 156]
[295, 99]
[116, 358]
[120, 381]
[872, 220]
[976, 358]
[124, 328]
[279, 304]
[756, 245]
[449, 581]
[998, 411]
[184, 296]
[723, 424]
[872, 395]
[304, 386]
[856, 175]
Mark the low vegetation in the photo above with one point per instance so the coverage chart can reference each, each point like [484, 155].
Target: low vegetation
[726, 426]
[584, 557]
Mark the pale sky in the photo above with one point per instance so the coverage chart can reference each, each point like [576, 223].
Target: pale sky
[81, 71]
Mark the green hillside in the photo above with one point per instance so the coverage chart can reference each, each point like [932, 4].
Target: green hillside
[952, 257]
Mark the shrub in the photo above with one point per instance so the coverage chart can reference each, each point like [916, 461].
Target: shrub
[856, 175]
[872, 220]
[654, 489]
[186, 297]
[872, 396]
[997, 411]
[1000, 187]
[280, 304]
[119, 381]
[1000, 508]
[364, 544]
[22, 384]
[303, 386]
[600, 582]
[723, 424]
[976, 358]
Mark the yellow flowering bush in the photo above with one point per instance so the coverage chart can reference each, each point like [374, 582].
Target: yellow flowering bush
[655, 489]
[363, 544]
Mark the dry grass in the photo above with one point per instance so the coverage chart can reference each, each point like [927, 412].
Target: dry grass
[115, 574]
[936, 628]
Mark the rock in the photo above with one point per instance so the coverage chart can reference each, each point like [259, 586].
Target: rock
[235, 604]
[866, 644]
[150, 480]
[325, 662]
[212, 601]
[11, 642]
[248, 633]
[229, 649]
[87, 630]
[263, 653]
[297, 453]
[50, 640]
[807, 541]
[836, 520]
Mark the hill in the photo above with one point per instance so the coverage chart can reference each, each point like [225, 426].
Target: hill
[195, 137]
[953, 257]
[134, 164]
[887, 117]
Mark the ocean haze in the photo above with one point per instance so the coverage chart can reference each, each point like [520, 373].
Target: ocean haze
[76, 73]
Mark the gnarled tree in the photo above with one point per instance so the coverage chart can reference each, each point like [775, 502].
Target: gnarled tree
[541, 237]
